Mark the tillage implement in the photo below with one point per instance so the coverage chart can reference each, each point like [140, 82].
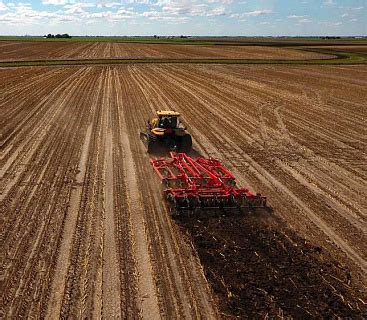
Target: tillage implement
[202, 183]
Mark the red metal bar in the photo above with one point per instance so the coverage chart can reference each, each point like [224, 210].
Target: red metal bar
[202, 181]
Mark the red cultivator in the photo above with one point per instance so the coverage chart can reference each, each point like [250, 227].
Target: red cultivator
[202, 183]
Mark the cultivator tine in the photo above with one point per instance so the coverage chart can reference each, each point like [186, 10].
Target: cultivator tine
[192, 184]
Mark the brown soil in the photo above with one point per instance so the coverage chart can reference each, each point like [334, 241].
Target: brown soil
[258, 268]
[10, 50]
[353, 49]
[85, 231]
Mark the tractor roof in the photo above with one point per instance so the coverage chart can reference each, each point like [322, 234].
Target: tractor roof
[167, 113]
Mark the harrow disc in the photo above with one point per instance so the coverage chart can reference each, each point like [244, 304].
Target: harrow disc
[201, 183]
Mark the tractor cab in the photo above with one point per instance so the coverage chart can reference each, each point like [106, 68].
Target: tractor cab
[166, 120]
[168, 131]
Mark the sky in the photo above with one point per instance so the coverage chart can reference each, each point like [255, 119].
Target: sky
[184, 17]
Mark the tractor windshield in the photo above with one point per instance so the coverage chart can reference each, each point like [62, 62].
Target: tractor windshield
[168, 122]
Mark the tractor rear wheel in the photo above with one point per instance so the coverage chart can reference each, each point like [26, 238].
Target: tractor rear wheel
[185, 143]
[151, 143]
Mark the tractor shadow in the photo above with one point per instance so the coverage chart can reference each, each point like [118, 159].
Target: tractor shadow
[257, 266]
[165, 153]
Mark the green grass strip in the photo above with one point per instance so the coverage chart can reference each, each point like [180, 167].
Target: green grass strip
[350, 60]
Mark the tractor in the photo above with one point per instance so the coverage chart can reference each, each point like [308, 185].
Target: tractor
[166, 132]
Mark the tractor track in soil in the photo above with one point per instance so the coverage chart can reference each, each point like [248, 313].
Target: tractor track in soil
[85, 231]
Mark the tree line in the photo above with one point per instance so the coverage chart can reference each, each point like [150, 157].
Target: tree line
[58, 36]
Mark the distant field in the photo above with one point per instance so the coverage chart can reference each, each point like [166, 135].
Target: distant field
[110, 39]
[353, 49]
[267, 41]
[288, 41]
[18, 50]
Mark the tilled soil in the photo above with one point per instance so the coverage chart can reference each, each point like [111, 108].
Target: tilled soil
[12, 50]
[86, 233]
[354, 49]
[259, 268]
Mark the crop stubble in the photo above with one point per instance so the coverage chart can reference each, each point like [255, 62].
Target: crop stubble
[85, 231]
[17, 51]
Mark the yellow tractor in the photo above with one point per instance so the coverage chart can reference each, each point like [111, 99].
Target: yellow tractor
[166, 131]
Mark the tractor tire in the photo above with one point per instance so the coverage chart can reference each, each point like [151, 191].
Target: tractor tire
[152, 143]
[185, 143]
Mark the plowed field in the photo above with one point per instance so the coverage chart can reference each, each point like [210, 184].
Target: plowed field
[85, 231]
[11, 50]
[354, 49]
